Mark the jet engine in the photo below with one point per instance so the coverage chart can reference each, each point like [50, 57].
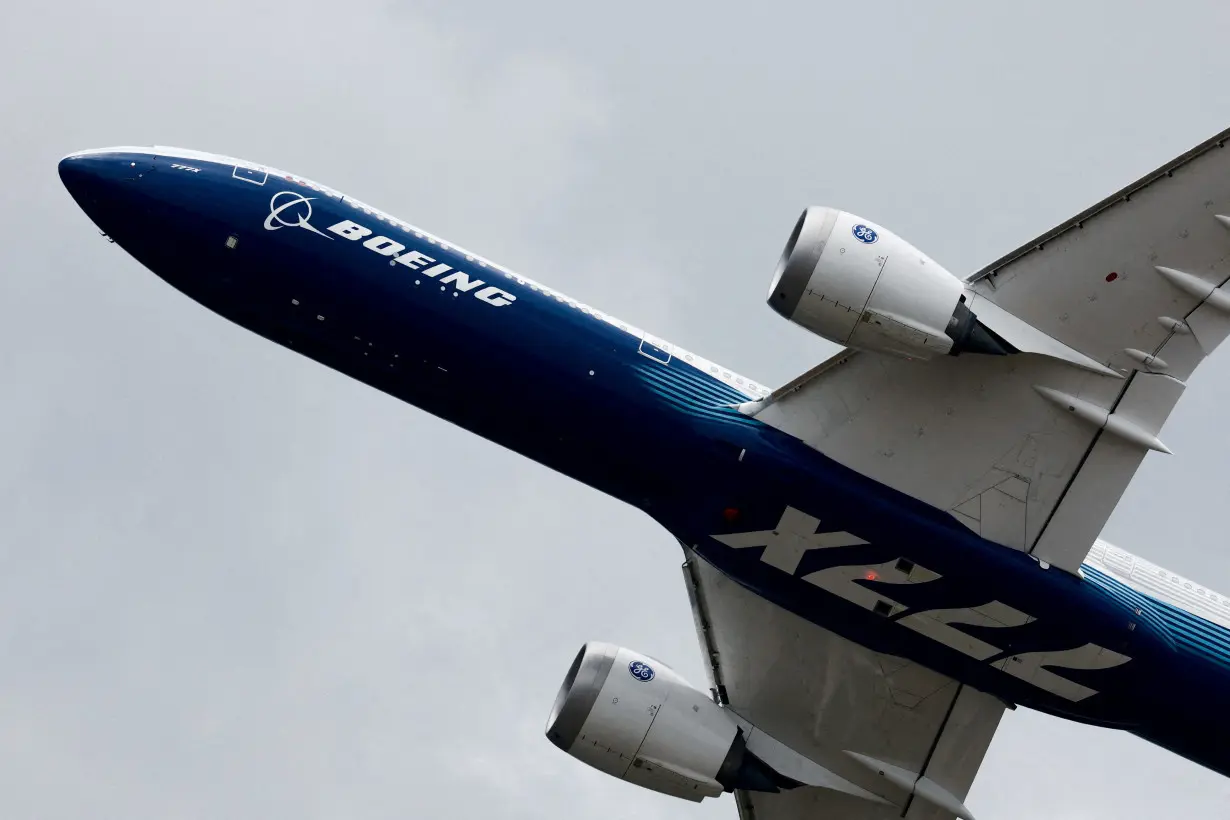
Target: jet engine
[857, 284]
[632, 717]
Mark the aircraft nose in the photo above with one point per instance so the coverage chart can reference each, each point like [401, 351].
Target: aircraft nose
[77, 172]
[89, 174]
[104, 181]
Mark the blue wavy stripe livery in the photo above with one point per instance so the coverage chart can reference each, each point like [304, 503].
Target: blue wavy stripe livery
[1190, 632]
[692, 392]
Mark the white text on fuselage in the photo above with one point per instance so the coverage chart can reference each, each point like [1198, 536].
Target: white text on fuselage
[796, 534]
[422, 264]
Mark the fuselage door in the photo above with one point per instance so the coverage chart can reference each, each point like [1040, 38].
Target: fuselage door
[1119, 562]
[250, 173]
[657, 350]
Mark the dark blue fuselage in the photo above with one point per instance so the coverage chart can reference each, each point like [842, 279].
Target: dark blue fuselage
[526, 368]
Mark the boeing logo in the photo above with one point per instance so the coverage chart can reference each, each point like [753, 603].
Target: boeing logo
[290, 209]
[421, 263]
[796, 534]
[283, 202]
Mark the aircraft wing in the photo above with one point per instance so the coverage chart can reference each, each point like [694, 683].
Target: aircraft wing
[912, 738]
[1033, 450]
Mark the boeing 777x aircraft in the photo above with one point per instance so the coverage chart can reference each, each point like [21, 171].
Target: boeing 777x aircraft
[883, 554]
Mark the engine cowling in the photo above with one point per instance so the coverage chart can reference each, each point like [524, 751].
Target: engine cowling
[633, 717]
[853, 282]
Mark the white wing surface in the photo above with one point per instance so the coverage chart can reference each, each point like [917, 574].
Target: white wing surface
[1034, 450]
[910, 736]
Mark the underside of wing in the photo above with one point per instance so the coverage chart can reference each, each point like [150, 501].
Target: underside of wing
[911, 738]
[1107, 316]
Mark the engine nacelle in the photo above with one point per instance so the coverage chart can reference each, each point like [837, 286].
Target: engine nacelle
[857, 284]
[632, 717]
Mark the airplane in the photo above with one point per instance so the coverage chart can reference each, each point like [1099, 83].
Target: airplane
[882, 555]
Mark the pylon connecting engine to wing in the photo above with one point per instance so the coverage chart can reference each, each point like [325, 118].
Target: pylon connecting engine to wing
[635, 718]
[857, 284]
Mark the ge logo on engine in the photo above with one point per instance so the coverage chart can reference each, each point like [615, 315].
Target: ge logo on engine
[641, 671]
[864, 234]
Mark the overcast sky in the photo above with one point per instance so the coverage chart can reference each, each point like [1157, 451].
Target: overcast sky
[235, 584]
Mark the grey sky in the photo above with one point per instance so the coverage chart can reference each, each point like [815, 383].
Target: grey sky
[236, 584]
